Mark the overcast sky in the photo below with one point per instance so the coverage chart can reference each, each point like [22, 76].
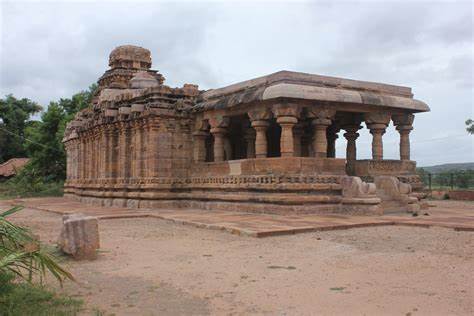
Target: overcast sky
[51, 50]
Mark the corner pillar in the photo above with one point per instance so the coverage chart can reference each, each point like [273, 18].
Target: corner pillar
[404, 125]
[377, 123]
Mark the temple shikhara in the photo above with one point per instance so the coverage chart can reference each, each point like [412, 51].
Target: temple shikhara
[265, 145]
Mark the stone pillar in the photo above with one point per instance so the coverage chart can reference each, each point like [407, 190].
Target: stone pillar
[219, 124]
[218, 133]
[199, 146]
[261, 145]
[98, 153]
[142, 150]
[87, 156]
[287, 115]
[404, 124]
[134, 149]
[287, 145]
[122, 150]
[351, 135]
[107, 164]
[250, 140]
[259, 121]
[322, 118]
[377, 122]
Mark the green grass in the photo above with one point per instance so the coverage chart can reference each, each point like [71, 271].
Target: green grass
[23, 298]
[20, 189]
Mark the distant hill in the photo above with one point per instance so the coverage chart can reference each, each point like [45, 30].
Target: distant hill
[450, 167]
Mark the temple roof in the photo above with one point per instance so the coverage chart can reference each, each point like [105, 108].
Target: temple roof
[297, 85]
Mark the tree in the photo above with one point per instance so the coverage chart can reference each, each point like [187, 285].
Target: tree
[470, 126]
[14, 119]
[78, 101]
[48, 159]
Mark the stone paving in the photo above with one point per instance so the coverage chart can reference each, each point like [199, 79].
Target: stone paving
[456, 215]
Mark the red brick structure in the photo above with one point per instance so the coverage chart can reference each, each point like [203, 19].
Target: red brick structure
[263, 145]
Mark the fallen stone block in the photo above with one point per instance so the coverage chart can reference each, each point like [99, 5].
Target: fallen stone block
[79, 236]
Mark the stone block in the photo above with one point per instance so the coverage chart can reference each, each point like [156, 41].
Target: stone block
[79, 236]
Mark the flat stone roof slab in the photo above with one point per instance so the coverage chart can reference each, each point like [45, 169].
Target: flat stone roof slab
[297, 85]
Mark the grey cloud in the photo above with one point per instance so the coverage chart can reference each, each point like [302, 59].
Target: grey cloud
[51, 50]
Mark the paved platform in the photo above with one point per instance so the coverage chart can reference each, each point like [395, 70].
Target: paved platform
[457, 215]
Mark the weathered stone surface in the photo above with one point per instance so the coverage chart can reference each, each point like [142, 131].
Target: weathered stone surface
[79, 236]
[353, 187]
[395, 194]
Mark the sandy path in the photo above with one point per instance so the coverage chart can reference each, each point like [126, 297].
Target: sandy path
[152, 267]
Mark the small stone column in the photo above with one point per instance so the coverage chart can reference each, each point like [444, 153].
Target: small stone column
[351, 135]
[260, 127]
[404, 141]
[320, 143]
[218, 124]
[377, 131]
[218, 133]
[322, 118]
[287, 147]
[404, 125]
[199, 148]
[377, 122]
[259, 121]
[287, 115]
[250, 140]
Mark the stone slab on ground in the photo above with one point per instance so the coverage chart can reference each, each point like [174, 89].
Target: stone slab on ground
[456, 215]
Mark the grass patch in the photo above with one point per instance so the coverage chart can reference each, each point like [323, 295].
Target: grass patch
[29, 299]
[15, 188]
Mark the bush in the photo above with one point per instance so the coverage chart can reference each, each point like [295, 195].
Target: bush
[27, 183]
[22, 256]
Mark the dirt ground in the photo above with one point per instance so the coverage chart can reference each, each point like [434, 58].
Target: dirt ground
[147, 266]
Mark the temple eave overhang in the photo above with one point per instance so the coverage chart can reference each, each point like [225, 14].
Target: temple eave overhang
[312, 88]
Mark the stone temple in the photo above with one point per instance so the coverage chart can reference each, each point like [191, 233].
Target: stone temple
[265, 145]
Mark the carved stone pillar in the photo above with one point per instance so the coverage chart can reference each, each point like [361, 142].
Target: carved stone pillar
[377, 122]
[199, 146]
[142, 150]
[218, 133]
[259, 121]
[287, 115]
[261, 145]
[322, 118]
[219, 126]
[404, 124]
[250, 141]
[287, 145]
[351, 135]
[134, 149]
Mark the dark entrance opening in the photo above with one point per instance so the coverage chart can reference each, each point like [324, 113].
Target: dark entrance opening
[273, 139]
